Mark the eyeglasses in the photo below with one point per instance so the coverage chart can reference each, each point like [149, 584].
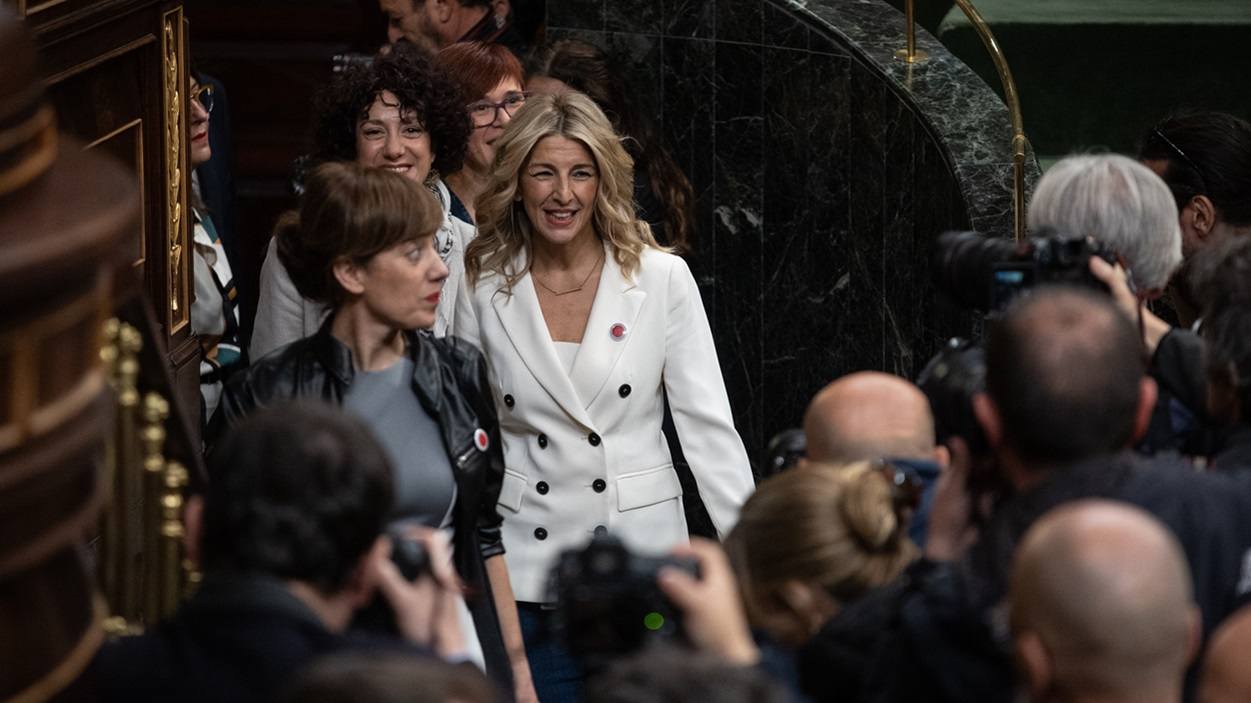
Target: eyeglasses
[905, 485]
[204, 94]
[484, 112]
[1193, 166]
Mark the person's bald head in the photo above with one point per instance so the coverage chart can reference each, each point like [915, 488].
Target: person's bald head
[869, 415]
[1101, 605]
[1226, 677]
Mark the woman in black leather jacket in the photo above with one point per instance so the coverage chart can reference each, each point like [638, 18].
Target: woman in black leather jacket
[363, 244]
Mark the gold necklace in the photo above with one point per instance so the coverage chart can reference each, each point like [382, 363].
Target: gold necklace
[581, 285]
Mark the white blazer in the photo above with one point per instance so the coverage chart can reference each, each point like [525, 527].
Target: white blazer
[283, 315]
[584, 451]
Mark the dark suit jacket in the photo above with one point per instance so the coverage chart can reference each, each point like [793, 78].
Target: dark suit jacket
[239, 638]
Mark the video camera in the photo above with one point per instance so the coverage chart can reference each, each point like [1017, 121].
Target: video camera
[985, 273]
[608, 603]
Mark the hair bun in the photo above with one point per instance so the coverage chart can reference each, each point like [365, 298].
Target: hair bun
[869, 511]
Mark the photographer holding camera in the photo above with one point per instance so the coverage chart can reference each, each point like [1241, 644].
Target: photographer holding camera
[289, 536]
[1127, 207]
[1066, 395]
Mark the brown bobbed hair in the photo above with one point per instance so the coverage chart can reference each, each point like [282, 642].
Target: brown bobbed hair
[478, 67]
[832, 526]
[504, 229]
[350, 212]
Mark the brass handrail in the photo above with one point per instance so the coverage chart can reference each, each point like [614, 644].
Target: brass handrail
[1020, 144]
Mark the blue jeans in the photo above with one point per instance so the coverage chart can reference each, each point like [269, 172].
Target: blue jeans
[557, 676]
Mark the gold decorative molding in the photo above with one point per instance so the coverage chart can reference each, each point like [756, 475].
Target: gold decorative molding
[172, 533]
[152, 437]
[174, 78]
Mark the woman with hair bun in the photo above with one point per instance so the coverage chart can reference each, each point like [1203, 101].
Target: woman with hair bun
[818, 551]
[811, 540]
[363, 246]
[588, 325]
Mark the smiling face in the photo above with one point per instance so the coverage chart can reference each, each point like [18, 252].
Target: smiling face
[201, 151]
[400, 286]
[558, 188]
[480, 153]
[394, 141]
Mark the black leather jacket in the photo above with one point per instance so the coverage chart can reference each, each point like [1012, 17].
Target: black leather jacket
[450, 381]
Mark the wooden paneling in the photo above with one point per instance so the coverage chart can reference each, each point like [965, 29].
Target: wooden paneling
[116, 73]
[126, 145]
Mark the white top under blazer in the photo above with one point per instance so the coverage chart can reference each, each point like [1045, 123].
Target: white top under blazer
[583, 449]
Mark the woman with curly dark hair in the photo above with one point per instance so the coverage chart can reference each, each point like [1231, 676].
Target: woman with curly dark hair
[662, 193]
[398, 113]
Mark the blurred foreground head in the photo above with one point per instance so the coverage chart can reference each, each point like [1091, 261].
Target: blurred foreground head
[1101, 606]
[298, 492]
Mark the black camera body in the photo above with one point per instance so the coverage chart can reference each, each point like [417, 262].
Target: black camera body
[608, 602]
[409, 556]
[986, 273]
[413, 562]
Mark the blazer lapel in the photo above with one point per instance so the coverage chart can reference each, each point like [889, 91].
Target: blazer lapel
[523, 321]
[617, 302]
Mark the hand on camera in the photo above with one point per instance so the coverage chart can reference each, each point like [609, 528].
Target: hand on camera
[951, 528]
[1117, 281]
[712, 611]
[426, 609]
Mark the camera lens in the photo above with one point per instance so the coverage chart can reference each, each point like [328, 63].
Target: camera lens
[964, 263]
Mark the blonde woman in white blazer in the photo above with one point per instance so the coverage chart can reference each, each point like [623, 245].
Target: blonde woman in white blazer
[586, 323]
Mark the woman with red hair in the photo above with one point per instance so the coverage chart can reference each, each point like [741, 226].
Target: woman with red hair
[492, 85]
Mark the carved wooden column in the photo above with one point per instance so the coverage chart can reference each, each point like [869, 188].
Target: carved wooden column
[65, 213]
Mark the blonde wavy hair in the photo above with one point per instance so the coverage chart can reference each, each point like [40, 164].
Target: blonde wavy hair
[829, 525]
[504, 229]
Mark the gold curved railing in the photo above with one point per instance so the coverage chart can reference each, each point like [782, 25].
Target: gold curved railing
[1020, 144]
[140, 557]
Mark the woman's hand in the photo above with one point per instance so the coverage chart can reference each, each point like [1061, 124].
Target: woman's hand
[711, 608]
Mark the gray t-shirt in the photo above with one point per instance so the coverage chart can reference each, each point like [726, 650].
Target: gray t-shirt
[424, 485]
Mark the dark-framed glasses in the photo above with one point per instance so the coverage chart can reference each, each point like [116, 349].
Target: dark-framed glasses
[484, 112]
[203, 94]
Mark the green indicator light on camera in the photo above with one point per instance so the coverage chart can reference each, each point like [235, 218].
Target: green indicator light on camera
[653, 621]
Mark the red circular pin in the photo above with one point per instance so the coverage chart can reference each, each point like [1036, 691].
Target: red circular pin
[481, 440]
[618, 330]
